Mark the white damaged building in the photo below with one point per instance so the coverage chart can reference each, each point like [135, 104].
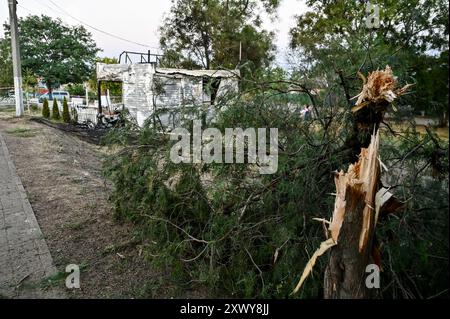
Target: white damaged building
[148, 89]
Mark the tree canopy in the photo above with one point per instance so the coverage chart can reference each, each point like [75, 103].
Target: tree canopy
[208, 33]
[56, 52]
[6, 70]
[412, 37]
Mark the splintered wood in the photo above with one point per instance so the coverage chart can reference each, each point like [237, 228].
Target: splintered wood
[353, 225]
[358, 184]
[380, 88]
[362, 177]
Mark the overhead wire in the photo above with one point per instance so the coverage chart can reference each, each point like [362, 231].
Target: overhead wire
[58, 9]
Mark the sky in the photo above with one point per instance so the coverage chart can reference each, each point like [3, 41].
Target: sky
[136, 20]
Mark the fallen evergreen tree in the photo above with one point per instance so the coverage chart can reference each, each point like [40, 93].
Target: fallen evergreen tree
[243, 234]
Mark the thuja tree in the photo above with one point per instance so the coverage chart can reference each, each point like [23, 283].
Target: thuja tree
[55, 111]
[45, 109]
[65, 113]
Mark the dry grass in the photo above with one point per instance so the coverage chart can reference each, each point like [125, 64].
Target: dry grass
[62, 176]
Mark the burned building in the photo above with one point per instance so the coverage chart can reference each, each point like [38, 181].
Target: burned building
[147, 89]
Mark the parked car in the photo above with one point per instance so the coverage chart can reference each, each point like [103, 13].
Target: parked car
[56, 95]
[12, 95]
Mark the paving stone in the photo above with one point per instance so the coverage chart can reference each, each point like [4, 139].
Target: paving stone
[24, 254]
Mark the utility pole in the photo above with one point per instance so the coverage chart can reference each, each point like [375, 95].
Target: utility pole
[17, 67]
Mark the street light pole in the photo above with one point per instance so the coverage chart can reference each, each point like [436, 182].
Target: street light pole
[17, 68]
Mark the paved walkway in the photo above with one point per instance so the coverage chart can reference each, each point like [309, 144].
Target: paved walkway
[24, 256]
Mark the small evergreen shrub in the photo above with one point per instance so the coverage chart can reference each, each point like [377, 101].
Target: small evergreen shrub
[45, 109]
[55, 111]
[66, 113]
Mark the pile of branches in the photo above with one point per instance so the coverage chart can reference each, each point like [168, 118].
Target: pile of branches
[242, 234]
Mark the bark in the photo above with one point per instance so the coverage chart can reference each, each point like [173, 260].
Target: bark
[50, 92]
[345, 274]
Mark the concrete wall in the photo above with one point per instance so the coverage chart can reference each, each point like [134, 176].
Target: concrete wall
[146, 87]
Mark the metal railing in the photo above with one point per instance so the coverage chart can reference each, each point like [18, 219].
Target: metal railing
[131, 57]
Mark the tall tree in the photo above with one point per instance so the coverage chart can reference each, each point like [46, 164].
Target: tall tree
[6, 70]
[336, 42]
[54, 51]
[208, 33]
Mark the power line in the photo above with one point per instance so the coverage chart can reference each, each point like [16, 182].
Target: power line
[99, 30]
[62, 10]
[43, 4]
[30, 11]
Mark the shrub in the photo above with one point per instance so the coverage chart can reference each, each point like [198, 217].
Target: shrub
[65, 113]
[226, 233]
[250, 235]
[55, 110]
[74, 116]
[45, 109]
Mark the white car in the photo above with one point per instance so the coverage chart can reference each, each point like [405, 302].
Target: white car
[57, 95]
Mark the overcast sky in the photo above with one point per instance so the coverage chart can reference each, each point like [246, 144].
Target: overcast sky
[135, 20]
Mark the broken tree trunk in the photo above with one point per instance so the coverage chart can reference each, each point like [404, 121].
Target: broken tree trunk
[353, 226]
[378, 92]
[358, 204]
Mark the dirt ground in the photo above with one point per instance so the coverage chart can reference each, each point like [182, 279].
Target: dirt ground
[61, 173]
[62, 176]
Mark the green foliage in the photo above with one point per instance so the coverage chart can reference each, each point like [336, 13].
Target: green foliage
[115, 88]
[6, 69]
[55, 111]
[195, 35]
[76, 90]
[431, 74]
[223, 224]
[45, 109]
[415, 243]
[412, 40]
[249, 235]
[66, 113]
[55, 51]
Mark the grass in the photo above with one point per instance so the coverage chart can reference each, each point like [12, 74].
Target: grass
[23, 132]
[442, 132]
[7, 109]
[121, 247]
[53, 281]
[58, 278]
[80, 225]
[149, 289]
